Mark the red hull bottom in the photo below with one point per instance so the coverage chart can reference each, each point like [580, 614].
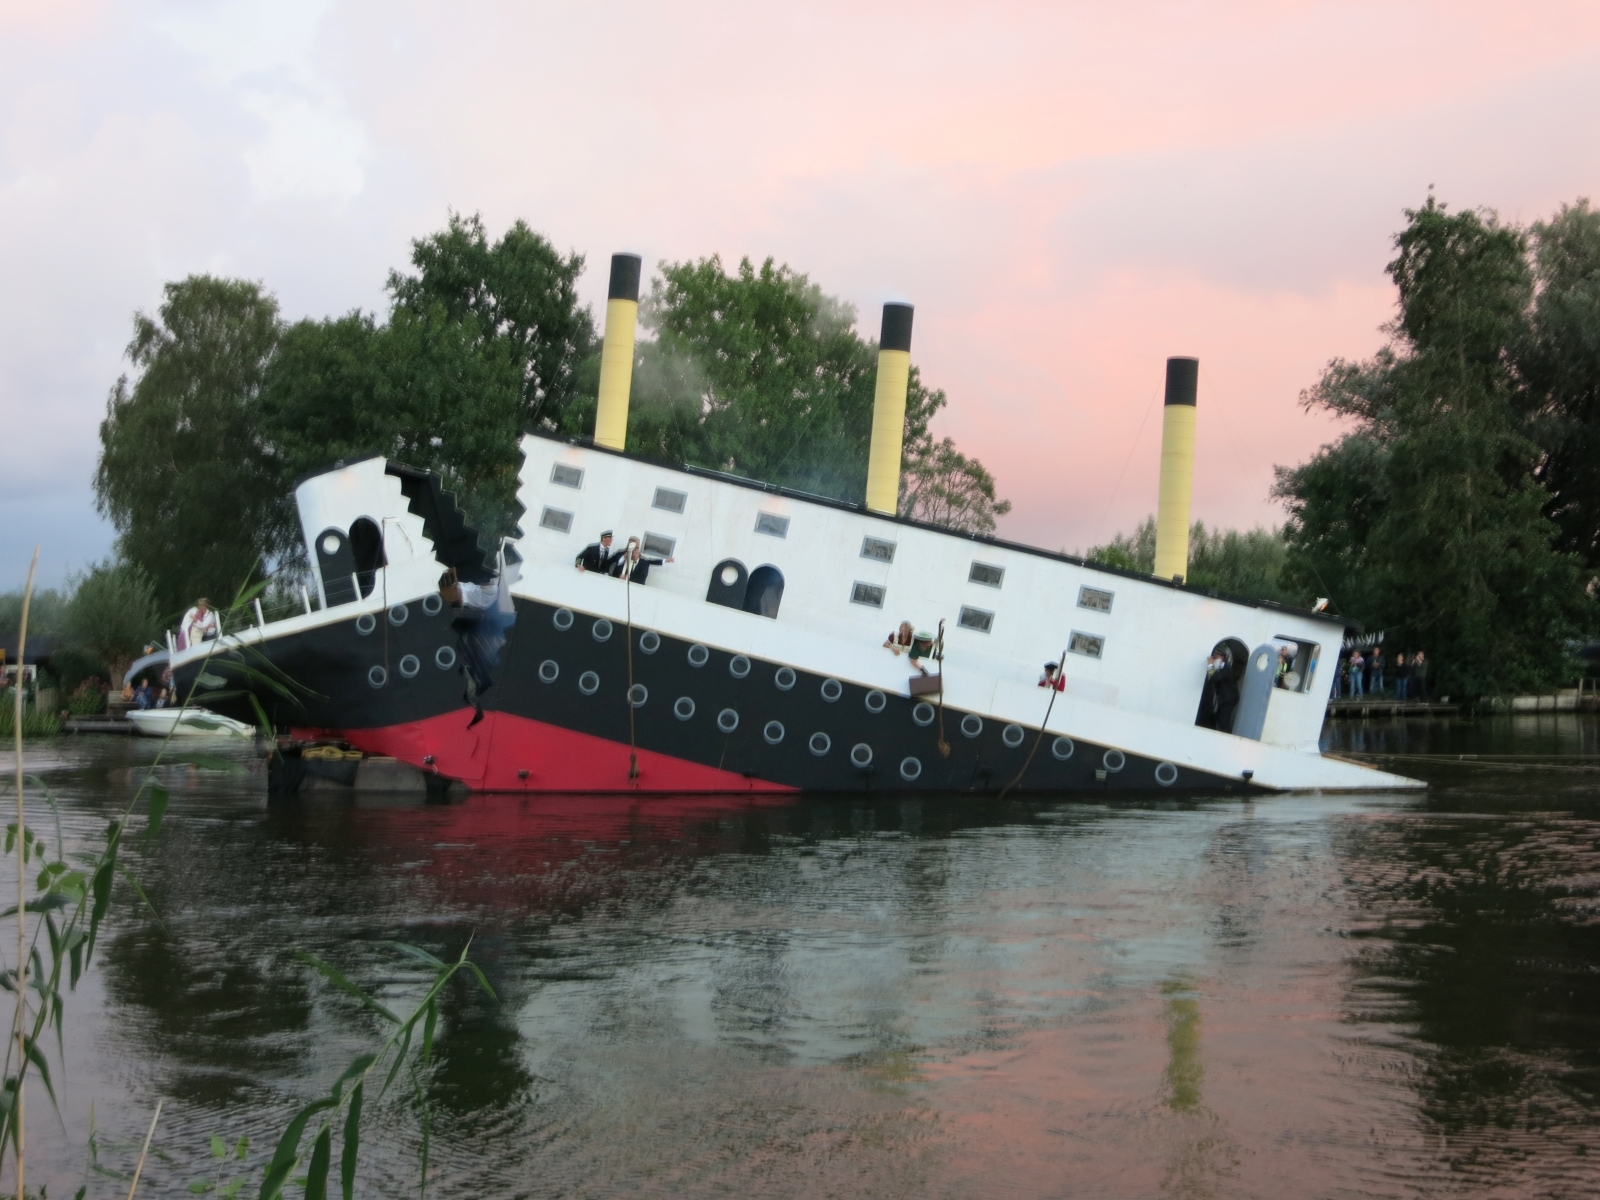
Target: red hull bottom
[506, 753]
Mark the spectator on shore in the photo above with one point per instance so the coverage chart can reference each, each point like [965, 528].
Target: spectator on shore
[1419, 677]
[143, 698]
[1358, 673]
[1375, 671]
[1402, 677]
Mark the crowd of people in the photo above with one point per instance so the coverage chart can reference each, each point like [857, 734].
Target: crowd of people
[1364, 671]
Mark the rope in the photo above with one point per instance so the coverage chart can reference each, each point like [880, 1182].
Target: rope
[627, 587]
[938, 655]
[1028, 762]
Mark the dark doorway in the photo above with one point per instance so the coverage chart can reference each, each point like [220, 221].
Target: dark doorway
[765, 592]
[366, 547]
[728, 582]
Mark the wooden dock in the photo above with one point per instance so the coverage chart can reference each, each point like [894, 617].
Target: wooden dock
[1362, 707]
[100, 723]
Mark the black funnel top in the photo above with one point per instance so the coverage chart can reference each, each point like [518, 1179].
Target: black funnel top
[1183, 380]
[624, 277]
[896, 327]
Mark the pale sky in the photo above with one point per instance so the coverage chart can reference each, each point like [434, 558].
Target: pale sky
[1069, 193]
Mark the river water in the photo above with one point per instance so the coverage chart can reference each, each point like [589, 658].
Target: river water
[1355, 995]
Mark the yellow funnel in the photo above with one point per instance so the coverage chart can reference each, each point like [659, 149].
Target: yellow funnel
[889, 409]
[616, 353]
[1177, 469]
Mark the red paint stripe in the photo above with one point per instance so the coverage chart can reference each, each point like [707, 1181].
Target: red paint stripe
[489, 756]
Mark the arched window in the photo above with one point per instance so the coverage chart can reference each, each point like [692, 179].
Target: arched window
[366, 547]
[764, 592]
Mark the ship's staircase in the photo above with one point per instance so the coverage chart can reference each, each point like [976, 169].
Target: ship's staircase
[455, 543]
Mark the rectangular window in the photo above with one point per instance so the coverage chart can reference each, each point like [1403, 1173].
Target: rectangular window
[869, 594]
[566, 476]
[1094, 598]
[669, 500]
[877, 549]
[555, 518]
[975, 618]
[658, 545]
[985, 574]
[773, 524]
[1086, 644]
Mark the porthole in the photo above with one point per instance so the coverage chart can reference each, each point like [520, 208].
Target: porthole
[730, 575]
[638, 694]
[649, 641]
[738, 666]
[876, 701]
[773, 732]
[549, 671]
[820, 744]
[683, 708]
[923, 713]
[785, 679]
[444, 657]
[601, 630]
[562, 619]
[432, 603]
[1062, 748]
[832, 689]
[1114, 760]
[971, 725]
[366, 623]
[410, 665]
[398, 614]
[727, 720]
[330, 543]
[910, 769]
[1012, 735]
[699, 656]
[377, 677]
[588, 683]
[861, 755]
[1166, 774]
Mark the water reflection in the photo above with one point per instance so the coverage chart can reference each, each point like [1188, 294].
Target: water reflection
[1378, 995]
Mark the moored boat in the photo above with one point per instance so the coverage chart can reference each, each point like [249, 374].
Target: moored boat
[187, 722]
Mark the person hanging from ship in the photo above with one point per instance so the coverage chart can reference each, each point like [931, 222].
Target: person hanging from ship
[486, 613]
[631, 564]
[598, 556]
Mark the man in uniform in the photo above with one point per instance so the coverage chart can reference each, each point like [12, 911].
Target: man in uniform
[598, 556]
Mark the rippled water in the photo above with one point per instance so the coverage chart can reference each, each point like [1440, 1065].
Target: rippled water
[1368, 995]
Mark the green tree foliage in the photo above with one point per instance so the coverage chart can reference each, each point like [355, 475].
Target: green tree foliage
[113, 613]
[517, 299]
[1248, 564]
[1559, 362]
[46, 612]
[761, 373]
[194, 493]
[485, 341]
[1427, 519]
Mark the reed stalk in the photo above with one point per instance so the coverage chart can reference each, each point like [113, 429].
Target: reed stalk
[22, 893]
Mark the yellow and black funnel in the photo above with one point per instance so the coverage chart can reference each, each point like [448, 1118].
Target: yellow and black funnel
[1177, 469]
[889, 409]
[616, 354]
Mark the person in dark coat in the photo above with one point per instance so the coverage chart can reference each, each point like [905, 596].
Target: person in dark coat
[598, 556]
[1227, 694]
[634, 565]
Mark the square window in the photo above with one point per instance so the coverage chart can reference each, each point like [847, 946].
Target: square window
[1094, 598]
[669, 500]
[771, 523]
[566, 476]
[985, 574]
[555, 518]
[975, 618]
[877, 549]
[1086, 644]
[869, 594]
[658, 545]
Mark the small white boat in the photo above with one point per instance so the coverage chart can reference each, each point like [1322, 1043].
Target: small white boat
[187, 722]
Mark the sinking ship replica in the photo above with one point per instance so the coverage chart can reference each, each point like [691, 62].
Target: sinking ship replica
[754, 659]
